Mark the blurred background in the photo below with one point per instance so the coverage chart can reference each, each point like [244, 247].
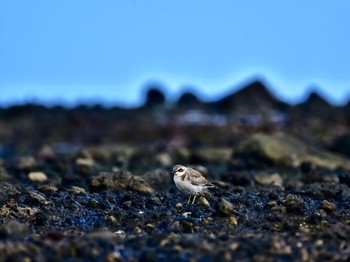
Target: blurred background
[145, 72]
[109, 52]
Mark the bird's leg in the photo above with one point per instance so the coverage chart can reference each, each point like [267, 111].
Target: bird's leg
[189, 199]
[195, 195]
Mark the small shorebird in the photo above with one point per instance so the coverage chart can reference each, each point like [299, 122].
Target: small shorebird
[190, 181]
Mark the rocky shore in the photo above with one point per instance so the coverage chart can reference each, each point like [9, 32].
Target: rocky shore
[94, 184]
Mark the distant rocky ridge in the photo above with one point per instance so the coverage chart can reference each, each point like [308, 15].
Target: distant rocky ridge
[253, 108]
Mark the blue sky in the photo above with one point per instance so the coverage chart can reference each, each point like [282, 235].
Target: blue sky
[108, 50]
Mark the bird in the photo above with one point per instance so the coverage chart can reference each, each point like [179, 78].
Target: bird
[190, 181]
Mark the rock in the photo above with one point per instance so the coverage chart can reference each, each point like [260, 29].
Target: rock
[282, 150]
[326, 191]
[158, 178]
[225, 207]
[212, 155]
[238, 178]
[150, 159]
[118, 181]
[85, 162]
[48, 188]
[46, 152]
[27, 163]
[37, 177]
[38, 197]
[266, 179]
[4, 175]
[328, 206]
[13, 228]
[189, 100]
[75, 190]
[252, 98]
[294, 204]
[7, 191]
[203, 201]
[140, 185]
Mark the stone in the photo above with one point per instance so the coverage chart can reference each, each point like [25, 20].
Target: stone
[216, 155]
[328, 206]
[225, 207]
[37, 176]
[158, 178]
[27, 163]
[266, 179]
[48, 188]
[38, 197]
[75, 190]
[286, 151]
[294, 204]
[7, 191]
[14, 228]
[118, 181]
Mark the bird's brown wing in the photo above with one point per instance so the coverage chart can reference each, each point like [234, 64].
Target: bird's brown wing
[196, 178]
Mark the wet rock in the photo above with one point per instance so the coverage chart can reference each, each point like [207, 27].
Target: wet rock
[225, 207]
[328, 206]
[37, 177]
[294, 204]
[38, 198]
[118, 181]
[326, 191]
[203, 202]
[344, 177]
[7, 191]
[266, 179]
[159, 178]
[211, 155]
[153, 158]
[46, 152]
[27, 163]
[282, 150]
[311, 173]
[117, 154]
[4, 174]
[341, 144]
[75, 190]
[13, 228]
[85, 165]
[238, 178]
[48, 188]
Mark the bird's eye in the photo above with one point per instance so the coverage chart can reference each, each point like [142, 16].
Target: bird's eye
[180, 170]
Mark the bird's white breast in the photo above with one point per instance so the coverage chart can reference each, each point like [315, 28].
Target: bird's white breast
[186, 187]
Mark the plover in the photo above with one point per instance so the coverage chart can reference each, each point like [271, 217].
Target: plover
[190, 181]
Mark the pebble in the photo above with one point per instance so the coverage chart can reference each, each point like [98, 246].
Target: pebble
[225, 207]
[328, 206]
[37, 176]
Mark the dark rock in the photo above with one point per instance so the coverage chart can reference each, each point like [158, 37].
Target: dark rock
[341, 144]
[326, 191]
[118, 181]
[225, 207]
[254, 97]
[154, 98]
[12, 229]
[189, 100]
[7, 191]
[294, 204]
[237, 178]
[158, 179]
[328, 206]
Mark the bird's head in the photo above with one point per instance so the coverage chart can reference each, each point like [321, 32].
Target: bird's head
[179, 170]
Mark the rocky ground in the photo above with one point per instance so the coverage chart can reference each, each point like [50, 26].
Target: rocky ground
[94, 184]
